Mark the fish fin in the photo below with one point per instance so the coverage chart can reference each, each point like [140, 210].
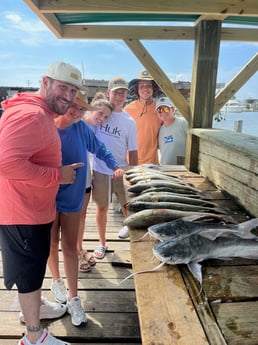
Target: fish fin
[211, 234]
[196, 269]
[208, 217]
[145, 271]
[217, 210]
[192, 218]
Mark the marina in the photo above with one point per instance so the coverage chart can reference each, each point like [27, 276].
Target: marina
[232, 106]
[227, 121]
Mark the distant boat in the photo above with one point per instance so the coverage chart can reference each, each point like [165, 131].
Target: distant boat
[232, 106]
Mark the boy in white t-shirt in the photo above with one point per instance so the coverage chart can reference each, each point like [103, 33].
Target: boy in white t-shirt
[119, 136]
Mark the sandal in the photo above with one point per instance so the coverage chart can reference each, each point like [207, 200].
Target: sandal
[100, 252]
[86, 256]
[84, 266]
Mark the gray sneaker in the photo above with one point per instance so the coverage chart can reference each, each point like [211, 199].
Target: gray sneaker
[78, 315]
[48, 310]
[59, 290]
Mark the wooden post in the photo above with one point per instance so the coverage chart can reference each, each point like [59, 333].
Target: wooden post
[203, 87]
[238, 126]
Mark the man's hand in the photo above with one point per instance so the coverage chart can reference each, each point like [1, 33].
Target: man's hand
[68, 173]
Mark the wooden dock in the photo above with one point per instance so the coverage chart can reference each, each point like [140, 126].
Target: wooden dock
[166, 307]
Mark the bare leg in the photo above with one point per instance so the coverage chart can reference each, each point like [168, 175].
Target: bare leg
[30, 304]
[124, 211]
[101, 220]
[82, 222]
[69, 237]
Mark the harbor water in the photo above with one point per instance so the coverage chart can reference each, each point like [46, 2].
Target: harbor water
[230, 121]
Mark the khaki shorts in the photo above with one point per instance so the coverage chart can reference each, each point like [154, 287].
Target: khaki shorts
[103, 186]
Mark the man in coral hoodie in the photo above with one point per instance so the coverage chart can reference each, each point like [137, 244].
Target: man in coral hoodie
[30, 173]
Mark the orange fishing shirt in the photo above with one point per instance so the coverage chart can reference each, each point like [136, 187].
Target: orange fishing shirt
[148, 125]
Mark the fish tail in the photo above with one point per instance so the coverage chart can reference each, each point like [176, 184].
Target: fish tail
[246, 228]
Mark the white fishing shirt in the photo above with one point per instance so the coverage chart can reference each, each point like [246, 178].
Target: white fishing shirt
[119, 135]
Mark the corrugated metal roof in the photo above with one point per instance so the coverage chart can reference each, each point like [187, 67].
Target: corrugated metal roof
[83, 18]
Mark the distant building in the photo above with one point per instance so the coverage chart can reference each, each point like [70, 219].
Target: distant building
[94, 85]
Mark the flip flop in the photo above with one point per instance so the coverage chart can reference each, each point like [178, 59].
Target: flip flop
[100, 252]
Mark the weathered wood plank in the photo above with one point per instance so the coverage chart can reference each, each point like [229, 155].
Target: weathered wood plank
[230, 283]
[92, 300]
[238, 321]
[108, 326]
[160, 318]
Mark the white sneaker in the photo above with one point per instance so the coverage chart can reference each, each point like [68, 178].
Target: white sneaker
[45, 339]
[124, 232]
[74, 308]
[48, 310]
[59, 290]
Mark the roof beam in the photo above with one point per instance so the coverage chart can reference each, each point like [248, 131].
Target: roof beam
[147, 33]
[127, 32]
[49, 20]
[200, 7]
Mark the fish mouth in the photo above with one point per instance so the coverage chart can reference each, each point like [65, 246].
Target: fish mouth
[153, 234]
[159, 257]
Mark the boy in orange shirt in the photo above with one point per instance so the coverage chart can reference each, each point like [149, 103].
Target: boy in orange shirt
[142, 110]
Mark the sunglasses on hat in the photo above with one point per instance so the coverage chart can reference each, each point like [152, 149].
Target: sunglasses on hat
[163, 109]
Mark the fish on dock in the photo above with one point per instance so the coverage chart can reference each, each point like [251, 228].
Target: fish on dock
[199, 195]
[149, 177]
[172, 197]
[176, 187]
[181, 228]
[143, 219]
[137, 206]
[143, 168]
[194, 249]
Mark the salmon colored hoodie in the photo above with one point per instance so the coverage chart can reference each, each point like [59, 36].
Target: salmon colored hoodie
[30, 158]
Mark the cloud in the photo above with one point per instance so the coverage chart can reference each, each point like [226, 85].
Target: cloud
[16, 21]
[28, 32]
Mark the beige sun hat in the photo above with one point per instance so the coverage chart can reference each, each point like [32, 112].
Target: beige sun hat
[65, 72]
[117, 83]
[82, 100]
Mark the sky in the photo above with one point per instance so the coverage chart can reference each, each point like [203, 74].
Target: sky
[27, 46]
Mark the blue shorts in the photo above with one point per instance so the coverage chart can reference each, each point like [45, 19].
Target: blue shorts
[25, 251]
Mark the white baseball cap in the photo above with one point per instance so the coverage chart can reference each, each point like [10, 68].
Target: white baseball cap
[164, 101]
[65, 72]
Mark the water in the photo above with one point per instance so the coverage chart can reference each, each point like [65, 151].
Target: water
[250, 122]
